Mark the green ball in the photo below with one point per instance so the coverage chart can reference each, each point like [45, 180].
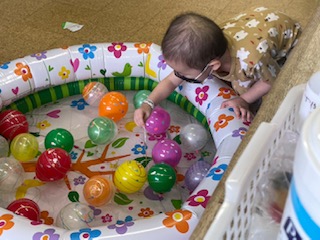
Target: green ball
[102, 130]
[59, 138]
[139, 97]
[161, 177]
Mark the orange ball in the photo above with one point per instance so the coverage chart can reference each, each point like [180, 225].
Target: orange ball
[98, 191]
[113, 105]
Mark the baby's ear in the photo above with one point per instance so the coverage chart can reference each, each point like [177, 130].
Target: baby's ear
[215, 64]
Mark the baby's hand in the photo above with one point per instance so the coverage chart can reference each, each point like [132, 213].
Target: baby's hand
[141, 114]
[240, 107]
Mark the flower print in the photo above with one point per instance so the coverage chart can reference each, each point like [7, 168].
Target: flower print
[247, 123]
[139, 149]
[239, 132]
[79, 180]
[174, 129]
[226, 93]
[145, 212]
[80, 104]
[85, 234]
[179, 219]
[215, 160]
[23, 70]
[223, 121]
[96, 211]
[106, 218]
[87, 51]
[205, 154]
[5, 65]
[190, 156]
[201, 198]
[73, 155]
[44, 219]
[117, 48]
[43, 124]
[5, 222]
[162, 63]
[217, 173]
[143, 47]
[39, 56]
[48, 234]
[202, 94]
[122, 226]
[157, 137]
[64, 73]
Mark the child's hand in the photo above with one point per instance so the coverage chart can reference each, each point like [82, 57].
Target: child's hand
[240, 107]
[141, 114]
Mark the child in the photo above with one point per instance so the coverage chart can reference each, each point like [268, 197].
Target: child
[245, 53]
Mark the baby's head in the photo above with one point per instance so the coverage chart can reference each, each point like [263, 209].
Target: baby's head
[194, 40]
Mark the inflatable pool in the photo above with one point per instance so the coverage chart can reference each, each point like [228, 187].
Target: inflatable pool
[48, 85]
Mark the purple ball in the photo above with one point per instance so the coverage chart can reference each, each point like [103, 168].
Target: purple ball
[158, 121]
[195, 174]
[167, 151]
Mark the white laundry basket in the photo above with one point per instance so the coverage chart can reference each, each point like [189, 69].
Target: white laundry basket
[234, 216]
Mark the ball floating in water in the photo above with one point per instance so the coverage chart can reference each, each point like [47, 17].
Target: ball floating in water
[12, 123]
[158, 121]
[93, 93]
[102, 130]
[11, 174]
[53, 164]
[98, 191]
[167, 151]
[113, 105]
[25, 207]
[195, 174]
[4, 147]
[130, 176]
[59, 138]
[139, 97]
[24, 147]
[75, 215]
[161, 178]
[193, 137]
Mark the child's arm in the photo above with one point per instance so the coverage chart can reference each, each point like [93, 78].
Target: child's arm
[241, 104]
[161, 92]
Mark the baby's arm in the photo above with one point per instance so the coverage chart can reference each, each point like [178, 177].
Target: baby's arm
[241, 104]
[161, 92]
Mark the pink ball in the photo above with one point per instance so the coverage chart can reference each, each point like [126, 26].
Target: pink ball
[158, 122]
[53, 164]
[167, 151]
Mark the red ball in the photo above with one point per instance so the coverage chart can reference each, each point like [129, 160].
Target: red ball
[12, 123]
[53, 164]
[25, 207]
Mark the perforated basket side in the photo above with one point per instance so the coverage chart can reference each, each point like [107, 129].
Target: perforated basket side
[234, 216]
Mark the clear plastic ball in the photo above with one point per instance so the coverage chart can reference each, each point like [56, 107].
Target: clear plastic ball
[193, 137]
[75, 215]
[4, 147]
[93, 93]
[11, 174]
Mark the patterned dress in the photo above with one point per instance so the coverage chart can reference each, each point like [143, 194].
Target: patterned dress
[257, 40]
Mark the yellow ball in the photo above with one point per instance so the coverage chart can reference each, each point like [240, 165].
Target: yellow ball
[24, 147]
[130, 176]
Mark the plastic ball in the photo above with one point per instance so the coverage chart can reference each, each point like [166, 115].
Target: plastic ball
[75, 215]
[11, 174]
[12, 123]
[193, 137]
[59, 138]
[167, 151]
[130, 177]
[98, 191]
[53, 164]
[102, 130]
[113, 105]
[139, 97]
[158, 121]
[161, 178]
[25, 207]
[4, 147]
[24, 147]
[195, 174]
[93, 92]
